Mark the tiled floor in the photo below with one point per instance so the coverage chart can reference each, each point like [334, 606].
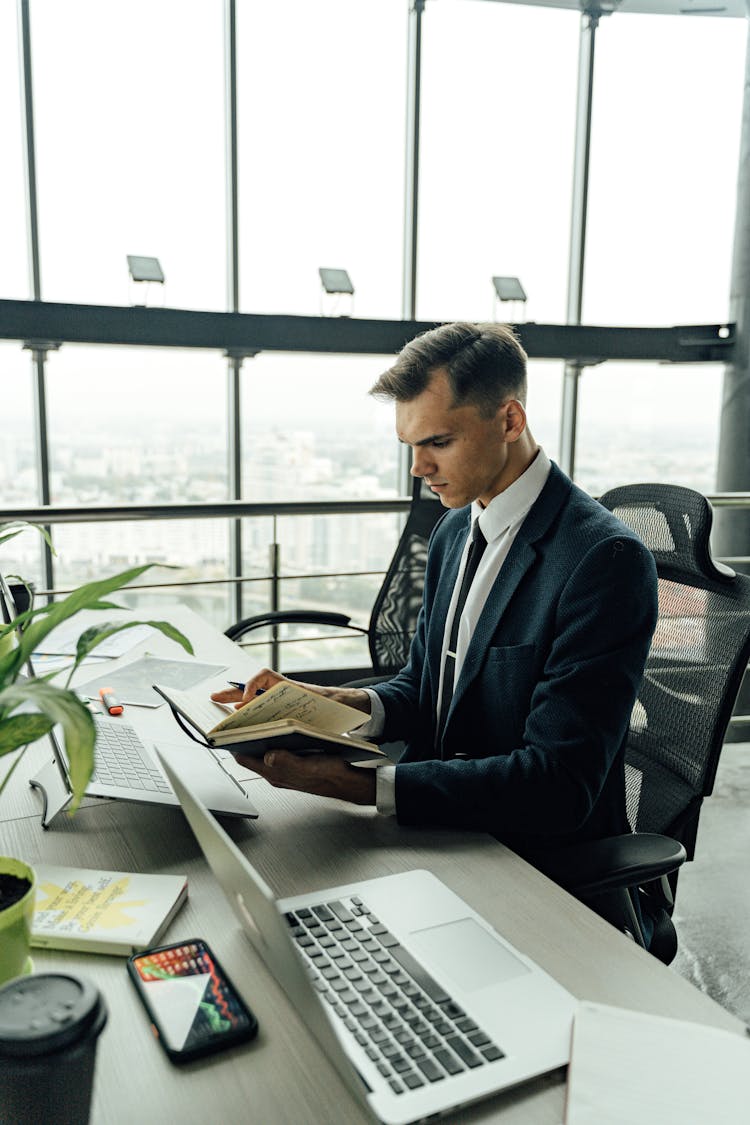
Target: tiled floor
[712, 912]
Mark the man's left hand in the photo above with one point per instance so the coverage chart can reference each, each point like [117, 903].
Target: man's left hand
[321, 774]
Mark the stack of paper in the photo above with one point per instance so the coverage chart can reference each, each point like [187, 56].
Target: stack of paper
[630, 1068]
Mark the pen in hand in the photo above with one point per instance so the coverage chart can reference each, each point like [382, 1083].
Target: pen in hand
[235, 683]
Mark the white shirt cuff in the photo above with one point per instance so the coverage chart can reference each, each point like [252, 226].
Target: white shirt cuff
[385, 790]
[385, 784]
[374, 725]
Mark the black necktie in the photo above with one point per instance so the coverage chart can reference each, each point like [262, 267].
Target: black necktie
[476, 550]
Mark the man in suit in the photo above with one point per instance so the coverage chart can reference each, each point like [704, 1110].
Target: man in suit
[515, 720]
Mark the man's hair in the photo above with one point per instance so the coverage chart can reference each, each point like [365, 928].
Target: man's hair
[485, 364]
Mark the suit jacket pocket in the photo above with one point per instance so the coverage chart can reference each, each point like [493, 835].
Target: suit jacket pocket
[510, 654]
[502, 692]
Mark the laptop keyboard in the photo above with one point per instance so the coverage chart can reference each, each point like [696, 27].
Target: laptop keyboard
[121, 759]
[404, 1020]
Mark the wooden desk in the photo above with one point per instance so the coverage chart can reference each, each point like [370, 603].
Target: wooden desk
[302, 843]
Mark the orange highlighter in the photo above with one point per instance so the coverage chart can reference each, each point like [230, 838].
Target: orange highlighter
[110, 701]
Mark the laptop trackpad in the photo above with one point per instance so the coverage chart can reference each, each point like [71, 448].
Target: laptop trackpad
[467, 953]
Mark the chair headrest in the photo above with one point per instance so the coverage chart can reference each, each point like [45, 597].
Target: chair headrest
[674, 523]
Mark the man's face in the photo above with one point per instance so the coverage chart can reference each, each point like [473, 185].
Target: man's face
[461, 455]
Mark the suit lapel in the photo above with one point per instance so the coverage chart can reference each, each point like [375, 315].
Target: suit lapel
[520, 558]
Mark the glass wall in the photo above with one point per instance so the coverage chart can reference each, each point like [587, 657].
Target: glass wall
[321, 94]
[14, 273]
[129, 103]
[136, 425]
[543, 403]
[497, 130]
[130, 135]
[664, 151]
[648, 422]
[19, 482]
[312, 432]
[664, 154]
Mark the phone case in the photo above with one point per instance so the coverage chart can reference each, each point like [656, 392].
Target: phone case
[223, 1001]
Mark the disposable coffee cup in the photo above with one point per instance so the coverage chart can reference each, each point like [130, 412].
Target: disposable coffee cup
[49, 1029]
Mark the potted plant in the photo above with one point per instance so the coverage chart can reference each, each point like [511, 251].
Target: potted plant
[50, 704]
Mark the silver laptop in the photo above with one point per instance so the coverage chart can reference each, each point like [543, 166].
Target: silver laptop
[417, 1001]
[126, 768]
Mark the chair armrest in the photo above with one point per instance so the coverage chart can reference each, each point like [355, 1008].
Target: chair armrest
[612, 863]
[290, 616]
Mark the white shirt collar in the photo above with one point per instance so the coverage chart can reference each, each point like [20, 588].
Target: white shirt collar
[510, 506]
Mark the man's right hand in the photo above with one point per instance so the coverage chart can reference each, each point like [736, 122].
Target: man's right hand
[266, 678]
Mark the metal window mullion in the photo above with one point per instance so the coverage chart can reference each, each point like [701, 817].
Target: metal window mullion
[411, 185]
[234, 481]
[275, 560]
[38, 354]
[411, 192]
[577, 253]
[234, 420]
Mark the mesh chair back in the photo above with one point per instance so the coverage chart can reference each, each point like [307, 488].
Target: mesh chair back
[695, 666]
[393, 619]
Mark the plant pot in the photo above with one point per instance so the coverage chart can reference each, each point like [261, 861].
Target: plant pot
[15, 922]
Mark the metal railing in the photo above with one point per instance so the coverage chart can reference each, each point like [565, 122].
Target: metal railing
[275, 511]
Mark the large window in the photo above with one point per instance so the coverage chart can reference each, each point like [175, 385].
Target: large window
[312, 432]
[544, 402]
[136, 425]
[643, 422]
[498, 122]
[330, 564]
[321, 91]
[665, 138]
[19, 483]
[195, 549]
[131, 159]
[14, 275]
[130, 148]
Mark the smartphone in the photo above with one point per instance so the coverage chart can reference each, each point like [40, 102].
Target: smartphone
[193, 1006]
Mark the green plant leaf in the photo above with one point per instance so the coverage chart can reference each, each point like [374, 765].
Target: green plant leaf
[63, 707]
[94, 636]
[84, 597]
[58, 704]
[19, 730]
[11, 530]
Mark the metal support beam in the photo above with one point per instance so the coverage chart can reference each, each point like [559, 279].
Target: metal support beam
[569, 420]
[32, 215]
[234, 476]
[411, 195]
[234, 369]
[577, 253]
[411, 191]
[249, 333]
[230, 115]
[38, 350]
[732, 530]
[38, 358]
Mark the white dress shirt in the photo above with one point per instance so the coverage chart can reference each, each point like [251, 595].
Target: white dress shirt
[500, 522]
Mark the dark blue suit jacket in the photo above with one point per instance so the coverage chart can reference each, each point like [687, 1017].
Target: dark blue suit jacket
[543, 701]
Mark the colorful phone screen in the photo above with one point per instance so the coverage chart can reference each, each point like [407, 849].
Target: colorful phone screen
[189, 997]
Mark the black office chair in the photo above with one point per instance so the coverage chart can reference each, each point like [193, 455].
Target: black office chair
[393, 617]
[697, 660]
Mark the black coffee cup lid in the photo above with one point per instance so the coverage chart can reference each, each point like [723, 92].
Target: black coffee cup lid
[45, 1012]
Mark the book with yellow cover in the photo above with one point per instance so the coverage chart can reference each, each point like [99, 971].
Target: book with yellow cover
[103, 911]
[287, 716]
